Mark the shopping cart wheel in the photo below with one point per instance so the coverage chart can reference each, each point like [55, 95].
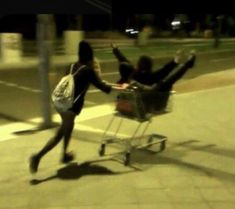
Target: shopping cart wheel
[102, 150]
[162, 145]
[127, 158]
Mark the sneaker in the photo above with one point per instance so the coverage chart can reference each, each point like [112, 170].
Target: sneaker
[68, 157]
[33, 164]
[191, 59]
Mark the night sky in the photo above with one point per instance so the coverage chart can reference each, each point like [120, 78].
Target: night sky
[56, 6]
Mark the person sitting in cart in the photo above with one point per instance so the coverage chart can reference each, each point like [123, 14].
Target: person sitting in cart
[155, 86]
[144, 77]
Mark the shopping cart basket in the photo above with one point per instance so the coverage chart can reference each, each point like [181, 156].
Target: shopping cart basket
[141, 106]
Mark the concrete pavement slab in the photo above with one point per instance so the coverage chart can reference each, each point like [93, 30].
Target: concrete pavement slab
[195, 171]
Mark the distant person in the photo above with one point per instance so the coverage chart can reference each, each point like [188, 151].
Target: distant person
[89, 74]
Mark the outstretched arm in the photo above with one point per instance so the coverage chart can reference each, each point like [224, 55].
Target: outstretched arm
[118, 54]
[102, 84]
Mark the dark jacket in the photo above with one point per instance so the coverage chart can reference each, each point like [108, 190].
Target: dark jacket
[86, 76]
[128, 72]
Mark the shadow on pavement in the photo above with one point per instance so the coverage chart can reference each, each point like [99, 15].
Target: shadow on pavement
[174, 157]
[10, 118]
[75, 171]
[35, 130]
[211, 148]
[211, 172]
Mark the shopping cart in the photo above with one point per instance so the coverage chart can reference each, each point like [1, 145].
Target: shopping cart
[139, 105]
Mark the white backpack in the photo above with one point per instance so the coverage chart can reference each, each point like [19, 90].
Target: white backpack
[63, 94]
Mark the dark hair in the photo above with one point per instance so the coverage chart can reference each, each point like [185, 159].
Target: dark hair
[85, 52]
[144, 64]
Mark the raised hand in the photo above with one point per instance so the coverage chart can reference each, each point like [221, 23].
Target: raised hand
[113, 45]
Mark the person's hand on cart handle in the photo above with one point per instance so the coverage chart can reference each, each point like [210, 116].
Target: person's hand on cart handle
[125, 85]
[120, 86]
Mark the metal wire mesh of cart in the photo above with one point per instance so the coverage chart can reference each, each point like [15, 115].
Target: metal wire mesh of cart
[141, 105]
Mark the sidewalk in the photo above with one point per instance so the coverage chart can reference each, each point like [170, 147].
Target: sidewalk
[194, 171]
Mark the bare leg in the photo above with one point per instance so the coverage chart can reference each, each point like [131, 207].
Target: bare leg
[65, 131]
[51, 143]
[68, 125]
[35, 159]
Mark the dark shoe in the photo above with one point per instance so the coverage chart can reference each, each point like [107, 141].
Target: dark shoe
[33, 165]
[68, 157]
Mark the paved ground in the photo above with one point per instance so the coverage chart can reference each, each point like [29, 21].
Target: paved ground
[194, 171]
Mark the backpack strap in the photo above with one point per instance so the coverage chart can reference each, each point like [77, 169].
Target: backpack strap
[84, 89]
[71, 69]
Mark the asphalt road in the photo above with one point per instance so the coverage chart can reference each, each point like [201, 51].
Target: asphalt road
[21, 92]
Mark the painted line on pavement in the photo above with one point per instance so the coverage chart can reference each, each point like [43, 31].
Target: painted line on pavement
[81, 127]
[94, 91]
[87, 113]
[32, 90]
[111, 73]
[25, 88]
[7, 131]
[222, 59]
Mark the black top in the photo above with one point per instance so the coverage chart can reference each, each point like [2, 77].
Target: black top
[146, 78]
[83, 78]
